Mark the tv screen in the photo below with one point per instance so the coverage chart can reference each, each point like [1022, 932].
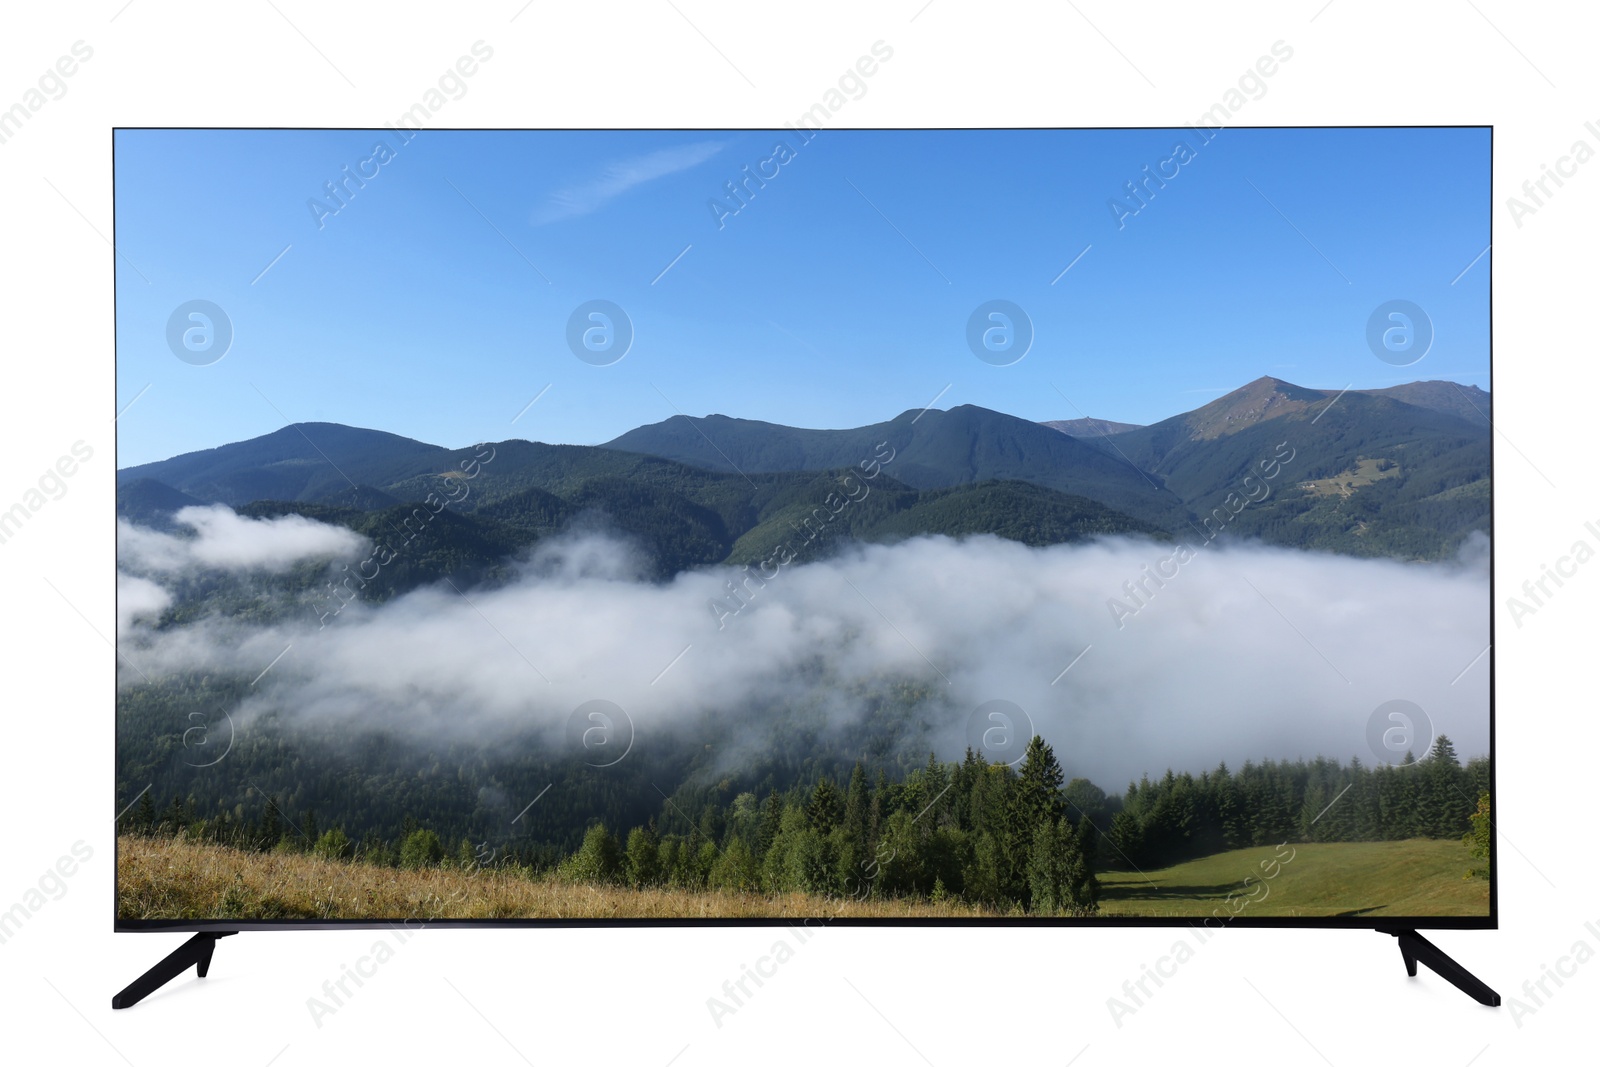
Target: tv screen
[1059, 526]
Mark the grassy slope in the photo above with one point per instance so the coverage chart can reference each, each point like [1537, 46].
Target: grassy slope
[162, 878]
[1384, 879]
[166, 879]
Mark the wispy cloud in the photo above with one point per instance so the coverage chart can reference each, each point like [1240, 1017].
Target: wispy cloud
[617, 178]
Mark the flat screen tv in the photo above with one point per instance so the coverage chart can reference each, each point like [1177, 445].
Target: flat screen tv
[960, 527]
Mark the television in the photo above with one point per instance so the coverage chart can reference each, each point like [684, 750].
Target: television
[944, 527]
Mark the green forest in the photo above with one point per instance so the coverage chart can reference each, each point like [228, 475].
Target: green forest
[1015, 839]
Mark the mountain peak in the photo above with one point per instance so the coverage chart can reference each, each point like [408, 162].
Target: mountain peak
[1250, 404]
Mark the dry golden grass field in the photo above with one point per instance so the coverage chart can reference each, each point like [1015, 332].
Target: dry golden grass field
[165, 878]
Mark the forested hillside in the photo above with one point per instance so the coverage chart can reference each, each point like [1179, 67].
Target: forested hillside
[1362, 473]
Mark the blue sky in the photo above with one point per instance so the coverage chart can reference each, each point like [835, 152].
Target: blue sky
[434, 303]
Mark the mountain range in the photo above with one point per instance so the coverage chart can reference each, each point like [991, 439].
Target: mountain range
[1401, 472]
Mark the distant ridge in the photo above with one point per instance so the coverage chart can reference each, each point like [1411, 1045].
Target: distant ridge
[1090, 427]
[1401, 472]
[304, 461]
[1464, 401]
[933, 449]
[150, 503]
[1268, 398]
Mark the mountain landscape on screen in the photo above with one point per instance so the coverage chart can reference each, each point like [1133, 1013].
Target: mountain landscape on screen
[1400, 472]
[721, 666]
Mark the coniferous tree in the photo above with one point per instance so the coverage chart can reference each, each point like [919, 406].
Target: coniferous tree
[1445, 804]
[966, 775]
[878, 810]
[172, 822]
[855, 805]
[1038, 792]
[1049, 861]
[144, 814]
[271, 825]
[1060, 878]
[1031, 801]
[1478, 777]
[825, 807]
[771, 820]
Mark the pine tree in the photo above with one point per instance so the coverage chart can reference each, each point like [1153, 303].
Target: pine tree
[271, 826]
[1446, 805]
[878, 809]
[1060, 878]
[771, 819]
[144, 815]
[961, 790]
[824, 809]
[173, 821]
[1038, 793]
[855, 805]
[1032, 803]
[1082, 885]
[930, 793]
[849, 846]
[1125, 840]
[982, 876]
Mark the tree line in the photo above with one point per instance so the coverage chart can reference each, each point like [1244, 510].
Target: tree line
[1019, 840]
[1182, 816]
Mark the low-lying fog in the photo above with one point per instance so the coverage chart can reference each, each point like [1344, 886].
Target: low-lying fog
[1243, 652]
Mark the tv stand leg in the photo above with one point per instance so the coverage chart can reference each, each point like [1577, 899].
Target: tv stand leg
[195, 952]
[1415, 949]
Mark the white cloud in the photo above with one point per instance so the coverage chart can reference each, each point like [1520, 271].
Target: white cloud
[225, 540]
[1247, 653]
[138, 598]
[617, 178]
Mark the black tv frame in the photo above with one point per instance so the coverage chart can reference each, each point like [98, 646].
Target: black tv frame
[1414, 948]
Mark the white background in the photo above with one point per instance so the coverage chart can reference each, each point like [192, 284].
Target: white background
[885, 996]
